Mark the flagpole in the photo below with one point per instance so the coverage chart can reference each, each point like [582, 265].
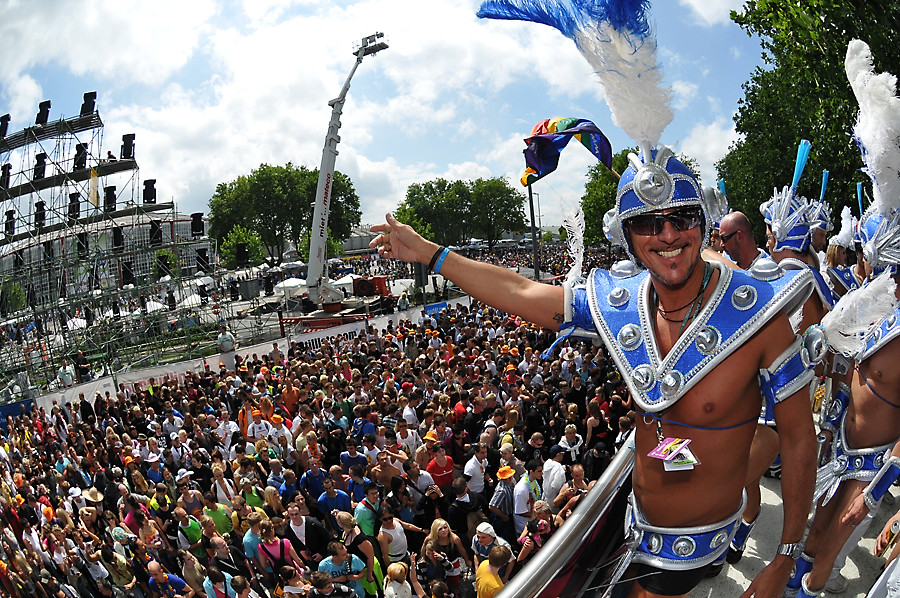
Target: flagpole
[534, 241]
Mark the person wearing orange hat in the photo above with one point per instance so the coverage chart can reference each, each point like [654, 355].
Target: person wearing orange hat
[259, 429]
[502, 503]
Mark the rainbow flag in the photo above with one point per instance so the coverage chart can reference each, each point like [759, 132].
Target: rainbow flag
[548, 139]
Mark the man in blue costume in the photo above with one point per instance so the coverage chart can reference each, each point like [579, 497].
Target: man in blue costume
[698, 344]
[862, 420]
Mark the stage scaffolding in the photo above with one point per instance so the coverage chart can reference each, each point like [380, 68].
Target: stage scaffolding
[90, 261]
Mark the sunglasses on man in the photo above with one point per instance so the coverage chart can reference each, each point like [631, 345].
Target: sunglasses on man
[648, 225]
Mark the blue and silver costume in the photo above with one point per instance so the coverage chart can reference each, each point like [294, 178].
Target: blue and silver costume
[677, 549]
[618, 310]
[615, 306]
[864, 464]
[843, 278]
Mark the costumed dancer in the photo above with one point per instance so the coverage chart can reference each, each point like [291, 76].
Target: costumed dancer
[680, 331]
[839, 274]
[789, 233]
[862, 421]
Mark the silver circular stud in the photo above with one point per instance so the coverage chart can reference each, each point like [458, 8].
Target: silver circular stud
[653, 185]
[629, 337]
[671, 384]
[684, 546]
[708, 339]
[644, 377]
[744, 297]
[619, 296]
[654, 543]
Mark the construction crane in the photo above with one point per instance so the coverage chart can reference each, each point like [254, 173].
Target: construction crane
[320, 291]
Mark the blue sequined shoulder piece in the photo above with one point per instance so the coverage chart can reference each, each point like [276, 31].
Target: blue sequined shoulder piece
[739, 306]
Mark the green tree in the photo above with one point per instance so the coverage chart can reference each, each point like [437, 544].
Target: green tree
[548, 236]
[600, 196]
[495, 207]
[405, 214]
[12, 297]
[442, 206]
[228, 249]
[803, 93]
[277, 202]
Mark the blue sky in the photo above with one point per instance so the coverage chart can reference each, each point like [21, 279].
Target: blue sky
[213, 89]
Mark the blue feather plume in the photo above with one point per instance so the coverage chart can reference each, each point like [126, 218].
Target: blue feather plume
[722, 187]
[802, 156]
[859, 198]
[566, 15]
[824, 185]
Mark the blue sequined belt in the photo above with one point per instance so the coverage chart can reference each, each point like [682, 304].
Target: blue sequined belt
[678, 548]
[848, 464]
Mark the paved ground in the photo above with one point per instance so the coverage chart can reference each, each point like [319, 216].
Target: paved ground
[862, 567]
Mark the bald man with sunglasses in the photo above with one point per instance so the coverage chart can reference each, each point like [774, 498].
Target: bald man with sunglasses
[691, 339]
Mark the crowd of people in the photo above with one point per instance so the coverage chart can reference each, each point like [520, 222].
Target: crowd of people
[401, 462]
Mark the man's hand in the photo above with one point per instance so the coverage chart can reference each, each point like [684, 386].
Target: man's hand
[885, 536]
[856, 512]
[771, 581]
[400, 241]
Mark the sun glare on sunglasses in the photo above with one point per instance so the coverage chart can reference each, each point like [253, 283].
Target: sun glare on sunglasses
[648, 225]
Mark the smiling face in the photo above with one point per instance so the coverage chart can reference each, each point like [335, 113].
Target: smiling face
[671, 255]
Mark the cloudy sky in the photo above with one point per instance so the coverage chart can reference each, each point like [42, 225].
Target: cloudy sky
[212, 89]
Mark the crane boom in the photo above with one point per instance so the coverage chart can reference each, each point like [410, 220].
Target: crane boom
[317, 277]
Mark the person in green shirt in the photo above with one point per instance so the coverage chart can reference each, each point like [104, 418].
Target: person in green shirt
[219, 513]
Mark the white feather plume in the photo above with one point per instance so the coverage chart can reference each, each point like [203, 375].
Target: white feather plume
[631, 80]
[854, 315]
[573, 221]
[877, 128]
[848, 227]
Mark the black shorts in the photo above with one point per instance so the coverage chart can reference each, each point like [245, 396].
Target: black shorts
[669, 583]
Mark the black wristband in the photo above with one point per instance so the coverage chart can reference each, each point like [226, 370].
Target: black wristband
[434, 258]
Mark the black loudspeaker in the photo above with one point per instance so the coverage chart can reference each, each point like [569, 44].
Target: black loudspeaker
[127, 273]
[82, 245]
[127, 147]
[241, 255]
[420, 273]
[40, 216]
[43, 113]
[118, 239]
[203, 260]
[249, 289]
[10, 223]
[4, 125]
[155, 233]
[80, 157]
[90, 101]
[5, 172]
[48, 251]
[19, 259]
[198, 228]
[116, 312]
[162, 266]
[150, 191]
[74, 207]
[40, 166]
[109, 199]
[363, 287]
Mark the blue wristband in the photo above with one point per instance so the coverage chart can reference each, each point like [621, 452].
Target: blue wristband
[440, 260]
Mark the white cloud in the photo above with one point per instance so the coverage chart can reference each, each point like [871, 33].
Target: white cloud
[708, 143]
[713, 12]
[684, 93]
[735, 52]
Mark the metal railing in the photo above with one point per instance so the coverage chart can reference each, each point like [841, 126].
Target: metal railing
[565, 551]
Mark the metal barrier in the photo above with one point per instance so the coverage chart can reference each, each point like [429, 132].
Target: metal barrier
[576, 554]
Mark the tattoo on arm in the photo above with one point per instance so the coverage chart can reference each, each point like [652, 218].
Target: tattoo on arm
[559, 318]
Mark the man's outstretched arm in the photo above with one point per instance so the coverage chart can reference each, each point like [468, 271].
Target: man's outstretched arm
[499, 287]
